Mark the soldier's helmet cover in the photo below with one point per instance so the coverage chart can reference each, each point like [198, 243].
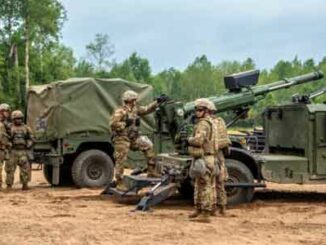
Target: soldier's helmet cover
[203, 102]
[212, 106]
[17, 115]
[129, 95]
[4, 107]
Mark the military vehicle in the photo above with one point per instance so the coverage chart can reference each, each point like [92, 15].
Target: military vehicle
[176, 118]
[256, 139]
[70, 120]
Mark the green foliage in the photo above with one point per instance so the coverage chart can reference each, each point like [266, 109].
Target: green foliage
[100, 51]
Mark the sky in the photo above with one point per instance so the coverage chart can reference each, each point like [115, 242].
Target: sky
[172, 33]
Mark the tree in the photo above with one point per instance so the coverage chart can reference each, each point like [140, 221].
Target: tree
[100, 51]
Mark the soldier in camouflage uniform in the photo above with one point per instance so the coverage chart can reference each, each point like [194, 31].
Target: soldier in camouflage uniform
[125, 124]
[203, 145]
[223, 149]
[4, 144]
[5, 110]
[22, 140]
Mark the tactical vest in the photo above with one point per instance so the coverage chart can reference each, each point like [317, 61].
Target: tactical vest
[19, 137]
[210, 146]
[131, 131]
[222, 133]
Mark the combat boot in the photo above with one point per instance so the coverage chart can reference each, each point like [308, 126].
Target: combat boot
[222, 209]
[195, 214]
[25, 187]
[121, 186]
[151, 173]
[204, 217]
[9, 187]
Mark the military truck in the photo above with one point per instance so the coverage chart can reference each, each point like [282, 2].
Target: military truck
[70, 120]
[176, 118]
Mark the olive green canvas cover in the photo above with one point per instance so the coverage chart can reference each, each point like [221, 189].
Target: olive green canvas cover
[80, 105]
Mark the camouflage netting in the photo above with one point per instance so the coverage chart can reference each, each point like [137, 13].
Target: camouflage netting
[78, 105]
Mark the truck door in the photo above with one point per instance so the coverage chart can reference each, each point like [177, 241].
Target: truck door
[320, 143]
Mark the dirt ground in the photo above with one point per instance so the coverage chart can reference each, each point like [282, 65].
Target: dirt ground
[287, 214]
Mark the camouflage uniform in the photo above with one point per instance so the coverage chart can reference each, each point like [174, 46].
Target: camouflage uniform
[5, 125]
[21, 139]
[202, 145]
[223, 146]
[126, 137]
[4, 146]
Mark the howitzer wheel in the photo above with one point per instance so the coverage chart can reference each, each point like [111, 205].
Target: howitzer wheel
[92, 168]
[239, 173]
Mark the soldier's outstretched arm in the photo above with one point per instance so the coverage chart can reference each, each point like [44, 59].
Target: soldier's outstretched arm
[143, 110]
[117, 120]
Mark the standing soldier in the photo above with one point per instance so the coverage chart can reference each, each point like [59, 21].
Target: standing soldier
[223, 149]
[6, 112]
[22, 141]
[125, 124]
[202, 147]
[4, 144]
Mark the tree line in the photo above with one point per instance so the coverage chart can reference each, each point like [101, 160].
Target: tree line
[31, 53]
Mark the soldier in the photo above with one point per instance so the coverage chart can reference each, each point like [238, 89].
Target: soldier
[203, 146]
[22, 140]
[6, 111]
[4, 145]
[223, 149]
[125, 124]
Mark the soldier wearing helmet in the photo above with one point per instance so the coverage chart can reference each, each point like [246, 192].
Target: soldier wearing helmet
[4, 142]
[203, 145]
[5, 112]
[21, 140]
[125, 123]
[223, 149]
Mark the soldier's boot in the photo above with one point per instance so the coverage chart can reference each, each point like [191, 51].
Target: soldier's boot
[222, 209]
[213, 212]
[25, 187]
[204, 217]
[120, 185]
[9, 187]
[195, 214]
[151, 171]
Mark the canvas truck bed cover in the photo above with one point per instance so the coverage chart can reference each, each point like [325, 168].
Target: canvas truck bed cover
[77, 105]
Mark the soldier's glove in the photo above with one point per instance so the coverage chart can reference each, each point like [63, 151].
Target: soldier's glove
[129, 122]
[162, 98]
[137, 122]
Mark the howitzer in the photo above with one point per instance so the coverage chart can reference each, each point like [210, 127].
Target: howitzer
[176, 119]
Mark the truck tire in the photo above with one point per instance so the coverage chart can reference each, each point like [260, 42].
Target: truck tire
[65, 178]
[238, 173]
[92, 168]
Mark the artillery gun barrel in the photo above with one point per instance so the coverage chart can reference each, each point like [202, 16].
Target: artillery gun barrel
[251, 95]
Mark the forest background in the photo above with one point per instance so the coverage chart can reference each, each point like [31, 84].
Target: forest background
[31, 53]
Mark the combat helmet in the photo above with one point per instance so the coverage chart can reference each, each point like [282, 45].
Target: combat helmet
[17, 115]
[129, 95]
[212, 106]
[4, 107]
[203, 102]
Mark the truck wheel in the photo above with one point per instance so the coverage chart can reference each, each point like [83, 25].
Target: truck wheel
[238, 173]
[65, 178]
[92, 168]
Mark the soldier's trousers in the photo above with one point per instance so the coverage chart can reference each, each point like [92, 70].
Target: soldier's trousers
[2, 163]
[122, 145]
[204, 193]
[220, 193]
[17, 158]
